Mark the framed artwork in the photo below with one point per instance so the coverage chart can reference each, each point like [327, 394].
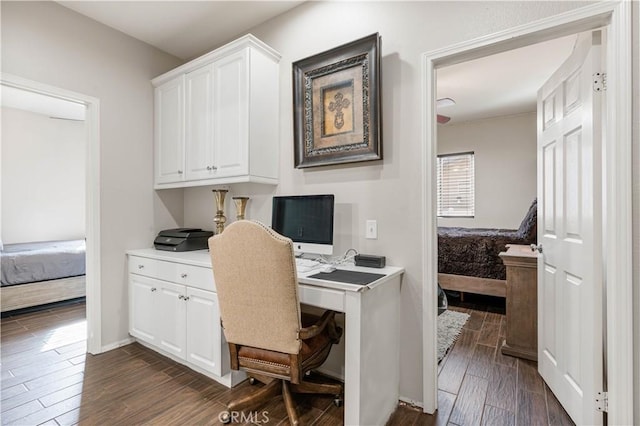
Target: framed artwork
[336, 105]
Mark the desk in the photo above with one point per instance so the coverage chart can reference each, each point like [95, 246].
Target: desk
[371, 340]
[370, 343]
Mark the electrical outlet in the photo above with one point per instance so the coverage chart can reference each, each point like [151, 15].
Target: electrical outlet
[371, 232]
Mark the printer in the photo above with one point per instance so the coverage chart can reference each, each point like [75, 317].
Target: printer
[182, 239]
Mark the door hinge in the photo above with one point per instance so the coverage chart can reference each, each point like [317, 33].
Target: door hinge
[602, 401]
[599, 82]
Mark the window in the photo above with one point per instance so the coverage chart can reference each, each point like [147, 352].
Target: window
[456, 185]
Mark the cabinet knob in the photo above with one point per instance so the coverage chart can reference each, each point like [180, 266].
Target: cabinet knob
[186, 298]
[209, 168]
[183, 275]
[140, 266]
[179, 172]
[153, 289]
[214, 168]
[180, 296]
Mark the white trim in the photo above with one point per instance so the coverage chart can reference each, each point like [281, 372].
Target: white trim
[92, 123]
[618, 180]
[116, 345]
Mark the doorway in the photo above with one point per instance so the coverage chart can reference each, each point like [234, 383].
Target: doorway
[617, 184]
[92, 195]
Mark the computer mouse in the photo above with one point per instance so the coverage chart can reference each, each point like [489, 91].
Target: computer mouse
[327, 269]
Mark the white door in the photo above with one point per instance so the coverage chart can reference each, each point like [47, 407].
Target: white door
[142, 311]
[231, 114]
[169, 131]
[570, 272]
[171, 306]
[199, 124]
[204, 339]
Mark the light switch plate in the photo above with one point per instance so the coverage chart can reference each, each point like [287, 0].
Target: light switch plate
[371, 232]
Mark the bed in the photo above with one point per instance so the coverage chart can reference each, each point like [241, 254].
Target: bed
[468, 258]
[37, 273]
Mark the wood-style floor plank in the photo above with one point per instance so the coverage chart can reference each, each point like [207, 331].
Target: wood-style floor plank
[502, 391]
[470, 401]
[532, 408]
[47, 378]
[494, 416]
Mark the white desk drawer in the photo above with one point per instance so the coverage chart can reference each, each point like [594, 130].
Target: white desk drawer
[195, 276]
[148, 267]
[189, 275]
[321, 297]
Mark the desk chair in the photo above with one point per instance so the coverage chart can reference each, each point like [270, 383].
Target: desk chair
[256, 281]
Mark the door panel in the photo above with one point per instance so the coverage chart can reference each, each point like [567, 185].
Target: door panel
[231, 114]
[169, 116]
[570, 278]
[171, 318]
[199, 123]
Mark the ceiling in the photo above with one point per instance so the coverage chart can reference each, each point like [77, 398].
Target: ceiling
[185, 29]
[502, 84]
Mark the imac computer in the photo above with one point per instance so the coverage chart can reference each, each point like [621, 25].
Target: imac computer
[307, 220]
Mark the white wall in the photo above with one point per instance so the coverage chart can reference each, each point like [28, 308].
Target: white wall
[45, 42]
[636, 208]
[505, 167]
[43, 177]
[388, 191]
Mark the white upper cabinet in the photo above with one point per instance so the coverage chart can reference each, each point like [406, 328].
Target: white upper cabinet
[169, 131]
[216, 119]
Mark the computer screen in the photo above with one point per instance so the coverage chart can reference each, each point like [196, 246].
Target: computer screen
[307, 220]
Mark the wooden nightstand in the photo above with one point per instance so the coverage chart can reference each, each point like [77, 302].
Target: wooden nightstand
[522, 302]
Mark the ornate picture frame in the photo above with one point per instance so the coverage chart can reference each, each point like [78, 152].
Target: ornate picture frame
[336, 105]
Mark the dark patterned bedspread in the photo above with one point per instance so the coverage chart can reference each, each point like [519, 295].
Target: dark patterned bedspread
[475, 251]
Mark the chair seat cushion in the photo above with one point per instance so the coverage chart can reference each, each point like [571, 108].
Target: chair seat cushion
[313, 352]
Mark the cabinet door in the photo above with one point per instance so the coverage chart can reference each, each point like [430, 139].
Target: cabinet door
[171, 306]
[199, 124]
[169, 131]
[204, 334]
[142, 310]
[231, 114]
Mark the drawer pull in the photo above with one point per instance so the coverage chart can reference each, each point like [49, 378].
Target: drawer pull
[153, 289]
[183, 275]
[180, 297]
[186, 298]
[140, 266]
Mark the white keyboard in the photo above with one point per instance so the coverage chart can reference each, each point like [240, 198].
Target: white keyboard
[306, 265]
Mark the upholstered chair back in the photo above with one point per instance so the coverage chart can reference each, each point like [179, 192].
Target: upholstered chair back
[255, 274]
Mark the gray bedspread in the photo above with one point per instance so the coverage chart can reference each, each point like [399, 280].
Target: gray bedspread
[41, 261]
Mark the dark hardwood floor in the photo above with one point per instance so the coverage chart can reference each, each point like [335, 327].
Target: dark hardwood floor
[47, 378]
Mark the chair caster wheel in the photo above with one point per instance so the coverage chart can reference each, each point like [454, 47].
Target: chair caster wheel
[337, 401]
[225, 417]
[252, 380]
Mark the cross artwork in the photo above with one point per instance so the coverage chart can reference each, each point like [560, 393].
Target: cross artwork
[337, 106]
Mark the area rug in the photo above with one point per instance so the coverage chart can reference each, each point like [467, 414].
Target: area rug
[450, 324]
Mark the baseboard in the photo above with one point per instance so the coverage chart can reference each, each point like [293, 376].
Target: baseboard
[412, 402]
[116, 345]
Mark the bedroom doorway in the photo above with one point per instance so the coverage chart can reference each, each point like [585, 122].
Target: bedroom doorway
[92, 192]
[616, 180]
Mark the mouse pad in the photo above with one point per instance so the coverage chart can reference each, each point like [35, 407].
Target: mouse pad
[351, 277]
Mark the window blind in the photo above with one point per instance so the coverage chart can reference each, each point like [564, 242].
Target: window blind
[456, 185]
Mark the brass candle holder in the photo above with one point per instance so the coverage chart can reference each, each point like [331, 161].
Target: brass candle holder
[241, 206]
[219, 218]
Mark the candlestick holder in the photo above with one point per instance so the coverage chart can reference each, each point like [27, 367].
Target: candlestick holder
[219, 218]
[241, 206]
